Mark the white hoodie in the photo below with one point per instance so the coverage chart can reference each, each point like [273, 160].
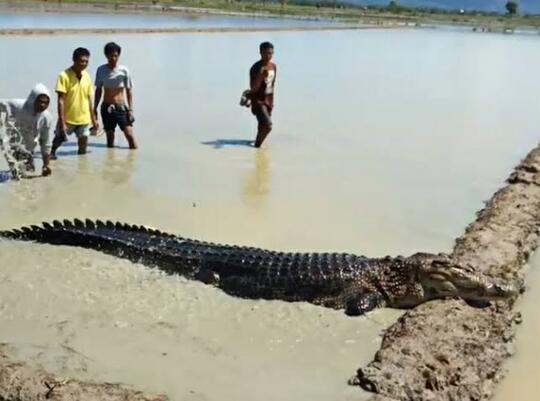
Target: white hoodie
[34, 127]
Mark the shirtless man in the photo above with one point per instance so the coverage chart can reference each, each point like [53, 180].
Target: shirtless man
[114, 81]
[262, 78]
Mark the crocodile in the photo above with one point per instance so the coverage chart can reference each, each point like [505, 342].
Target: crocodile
[354, 283]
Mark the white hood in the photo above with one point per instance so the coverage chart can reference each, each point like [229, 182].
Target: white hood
[38, 90]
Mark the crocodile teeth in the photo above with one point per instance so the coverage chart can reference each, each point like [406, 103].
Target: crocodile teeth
[68, 223]
[90, 223]
[78, 223]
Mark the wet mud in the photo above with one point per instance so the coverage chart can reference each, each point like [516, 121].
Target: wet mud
[20, 382]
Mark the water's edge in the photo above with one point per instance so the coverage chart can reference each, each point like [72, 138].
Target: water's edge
[447, 350]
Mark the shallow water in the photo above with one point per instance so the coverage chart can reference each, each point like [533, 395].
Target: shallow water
[523, 369]
[385, 142]
[110, 20]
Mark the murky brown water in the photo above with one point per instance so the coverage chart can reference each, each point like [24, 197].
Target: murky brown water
[385, 142]
[523, 368]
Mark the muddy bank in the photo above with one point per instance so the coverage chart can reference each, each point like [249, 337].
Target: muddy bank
[19, 382]
[446, 350]
[107, 31]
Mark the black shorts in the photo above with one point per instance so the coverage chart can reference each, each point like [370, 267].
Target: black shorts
[263, 114]
[115, 114]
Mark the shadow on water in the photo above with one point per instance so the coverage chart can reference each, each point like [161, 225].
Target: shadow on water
[69, 153]
[92, 145]
[61, 152]
[221, 143]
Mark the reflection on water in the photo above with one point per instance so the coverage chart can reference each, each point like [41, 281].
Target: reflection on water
[83, 168]
[257, 186]
[118, 165]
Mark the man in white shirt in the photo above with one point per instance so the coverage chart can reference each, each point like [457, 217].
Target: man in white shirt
[27, 123]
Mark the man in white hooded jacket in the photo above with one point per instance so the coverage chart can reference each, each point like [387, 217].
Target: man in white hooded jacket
[33, 124]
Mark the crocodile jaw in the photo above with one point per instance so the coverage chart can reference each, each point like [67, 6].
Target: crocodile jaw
[441, 277]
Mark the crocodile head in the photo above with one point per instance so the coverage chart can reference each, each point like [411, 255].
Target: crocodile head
[441, 277]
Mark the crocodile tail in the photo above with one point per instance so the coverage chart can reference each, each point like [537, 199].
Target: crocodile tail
[136, 243]
[63, 232]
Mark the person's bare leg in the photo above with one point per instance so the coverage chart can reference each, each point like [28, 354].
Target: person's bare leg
[130, 138]
[110, 138]
[83, 141]
[262, 133]
[57, 141]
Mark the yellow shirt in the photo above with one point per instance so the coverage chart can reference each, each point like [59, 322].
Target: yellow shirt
[77, 96]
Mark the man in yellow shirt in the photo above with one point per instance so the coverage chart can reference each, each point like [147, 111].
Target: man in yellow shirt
[75, 108]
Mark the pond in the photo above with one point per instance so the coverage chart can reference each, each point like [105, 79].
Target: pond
[385, 142]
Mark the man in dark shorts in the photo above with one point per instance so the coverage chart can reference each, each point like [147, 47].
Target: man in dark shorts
[262, 78]
[114, 82]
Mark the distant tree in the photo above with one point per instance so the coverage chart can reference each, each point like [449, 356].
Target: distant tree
[511, 7]
[392, 4]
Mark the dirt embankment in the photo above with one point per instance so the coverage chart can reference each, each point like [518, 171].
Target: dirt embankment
[447, 350]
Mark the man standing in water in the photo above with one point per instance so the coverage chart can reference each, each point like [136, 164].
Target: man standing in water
[116, 80]
[262, 78]
[75, 111]
[28, 122]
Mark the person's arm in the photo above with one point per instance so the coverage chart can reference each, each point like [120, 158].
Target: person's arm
[129, 93]
[45, 145]
[61, 89]
[95, 124]
[62, 128]
[98, 82]
[97, 98]
[257, 79]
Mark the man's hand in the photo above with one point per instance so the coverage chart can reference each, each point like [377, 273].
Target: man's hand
[130, 116]
[62, 130]
[45, 171]
[95, 127]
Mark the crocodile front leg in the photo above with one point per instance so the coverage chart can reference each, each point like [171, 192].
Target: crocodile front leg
[363, 303]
